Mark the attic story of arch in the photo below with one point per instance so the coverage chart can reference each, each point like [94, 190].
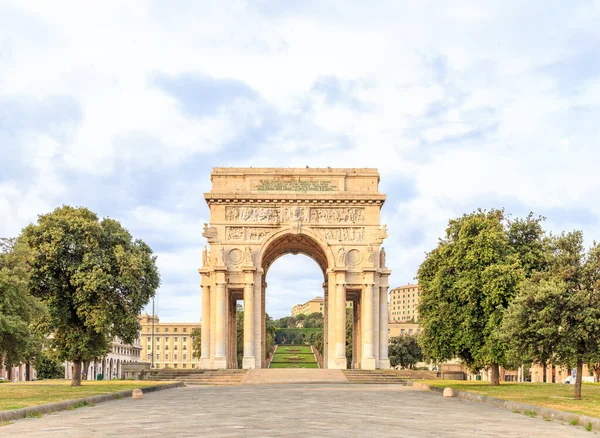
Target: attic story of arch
[260, 214]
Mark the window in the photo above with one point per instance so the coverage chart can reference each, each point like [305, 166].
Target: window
[157, 330]
[157, 339]
[174, 365]
[175, 339]
[158, 347]
[148, 329]
[185, 347]
[175, 356]
[185, 357]
[149, 347]
[193, 365]
[166, 356]
[157, 356]
[185, 330]
[166, 329]
[184, 339]
[167, 347]
[175, 329]
[175, 347]
[184, 365]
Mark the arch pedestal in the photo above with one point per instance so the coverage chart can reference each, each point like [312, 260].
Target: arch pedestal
[259, 215]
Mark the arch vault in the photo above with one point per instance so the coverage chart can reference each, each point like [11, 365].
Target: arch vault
[258, 215]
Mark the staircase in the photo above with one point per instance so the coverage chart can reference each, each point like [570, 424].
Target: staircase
[384, 377]
[199, 377]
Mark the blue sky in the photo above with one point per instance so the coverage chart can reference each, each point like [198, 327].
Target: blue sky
[124, 107]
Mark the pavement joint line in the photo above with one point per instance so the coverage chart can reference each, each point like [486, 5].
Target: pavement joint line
[47, 408]
[545, 413]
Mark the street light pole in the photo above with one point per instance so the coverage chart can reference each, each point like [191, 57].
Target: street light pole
[153, 316]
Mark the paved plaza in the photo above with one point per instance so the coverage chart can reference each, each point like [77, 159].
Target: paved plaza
[324, 410]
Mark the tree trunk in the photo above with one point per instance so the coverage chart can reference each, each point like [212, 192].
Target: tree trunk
[578, 379]
[27, 372]
[544, 372]
[495, 378]
[84, 371]
[76, 373]
[596, 368]
[9, 373]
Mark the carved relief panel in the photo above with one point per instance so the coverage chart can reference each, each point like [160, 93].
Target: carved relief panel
[333, 215]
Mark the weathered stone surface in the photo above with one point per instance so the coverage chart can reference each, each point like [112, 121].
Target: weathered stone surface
[448, 392]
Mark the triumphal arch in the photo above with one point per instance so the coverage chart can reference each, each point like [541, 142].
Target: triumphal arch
[260, 214]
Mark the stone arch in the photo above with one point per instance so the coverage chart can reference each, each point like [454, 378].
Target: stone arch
[259, 215]
[320, 252]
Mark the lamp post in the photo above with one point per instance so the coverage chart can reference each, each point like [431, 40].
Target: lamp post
[153, 316]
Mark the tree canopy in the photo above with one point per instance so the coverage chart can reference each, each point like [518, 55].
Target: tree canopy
[468, 281]
[19, 310]
[404, 351]
[94, 278]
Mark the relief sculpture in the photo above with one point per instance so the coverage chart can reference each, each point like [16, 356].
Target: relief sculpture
[355, 235]
[252, 214]
[341, 215]
[337, 215]
[247, 234]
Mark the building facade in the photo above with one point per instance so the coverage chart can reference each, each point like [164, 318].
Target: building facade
[312, 306]
[18, 373]
[403, 328]
[404, 303]
[110, 366]
[172, 343]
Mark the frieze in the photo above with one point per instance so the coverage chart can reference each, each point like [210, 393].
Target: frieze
[246, 234]
[334, 215]
[351, 234]
[337, 215]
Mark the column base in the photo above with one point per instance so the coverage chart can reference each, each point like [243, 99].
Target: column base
[340, 363]
[384, 364]
[220, 363]
[205, 363]
[368, 363]
[249, 362]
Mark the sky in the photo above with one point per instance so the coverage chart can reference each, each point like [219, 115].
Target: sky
[125, 107]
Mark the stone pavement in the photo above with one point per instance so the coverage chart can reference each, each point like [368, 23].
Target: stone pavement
[328, 410]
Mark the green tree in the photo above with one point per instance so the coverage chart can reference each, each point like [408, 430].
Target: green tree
[93, 277]
[404, 351]
[48, 367]
[469, 280]
[531, 325]
[579, 271]
[269, 335]
[19, 310]
[196, 336]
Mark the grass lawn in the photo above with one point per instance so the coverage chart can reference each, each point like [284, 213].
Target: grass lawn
[293, 358]
[293, 365]
[17, 395]
[548, 395]
[293, 349]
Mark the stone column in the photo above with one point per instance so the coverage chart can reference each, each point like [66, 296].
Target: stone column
[384, 361]
[249, 360]
[340, 326]
[205, 328]
[368, 361]
[258, 351]
[325, 324]
[221, 320]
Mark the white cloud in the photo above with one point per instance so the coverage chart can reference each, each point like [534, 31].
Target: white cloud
[458, 106]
